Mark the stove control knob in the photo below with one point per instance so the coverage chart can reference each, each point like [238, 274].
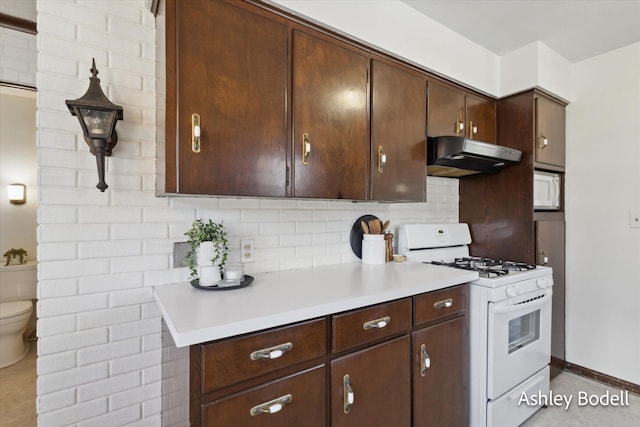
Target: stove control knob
[513, 291]
[544, 282]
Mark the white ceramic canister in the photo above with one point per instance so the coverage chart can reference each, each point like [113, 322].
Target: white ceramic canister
[373, 248]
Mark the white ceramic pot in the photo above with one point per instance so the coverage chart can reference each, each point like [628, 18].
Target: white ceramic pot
[208, 273]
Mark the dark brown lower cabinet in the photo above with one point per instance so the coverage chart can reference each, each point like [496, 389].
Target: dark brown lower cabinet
[439, 375]
[372, 387]
[359, 368]
[297, 400]
[550, 251]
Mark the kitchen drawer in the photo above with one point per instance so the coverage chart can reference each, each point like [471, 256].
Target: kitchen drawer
[297, 400]
[358, 327]
[430, 306]
[231, 361]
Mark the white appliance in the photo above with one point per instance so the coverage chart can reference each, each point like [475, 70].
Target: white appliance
[546, 191]
[509, 323]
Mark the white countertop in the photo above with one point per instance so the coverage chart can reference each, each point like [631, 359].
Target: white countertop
[194, 316]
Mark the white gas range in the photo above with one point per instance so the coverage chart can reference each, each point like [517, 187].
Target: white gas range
[509, 322]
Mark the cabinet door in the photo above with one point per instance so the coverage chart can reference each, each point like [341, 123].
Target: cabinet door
[549, 145]
[298, 400]
[330, 119]
[481, 119]
[377, 382]
[398, 119]
[550, 250]
[231, 69]
[440, 375]
[446, 111]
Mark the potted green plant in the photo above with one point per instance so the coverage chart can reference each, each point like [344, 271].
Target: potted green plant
[209, 249]
[12, 253]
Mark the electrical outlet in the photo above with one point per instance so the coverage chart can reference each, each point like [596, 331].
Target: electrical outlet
[246, 250]
[634, 219]
[180, 250]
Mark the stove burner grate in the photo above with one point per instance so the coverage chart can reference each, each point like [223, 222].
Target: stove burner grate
[486, 267]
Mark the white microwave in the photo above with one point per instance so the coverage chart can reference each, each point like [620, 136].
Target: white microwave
[546, 191]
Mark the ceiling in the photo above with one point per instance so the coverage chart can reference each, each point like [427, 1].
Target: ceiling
[575, 29]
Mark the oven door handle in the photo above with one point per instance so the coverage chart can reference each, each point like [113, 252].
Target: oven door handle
[537, 303]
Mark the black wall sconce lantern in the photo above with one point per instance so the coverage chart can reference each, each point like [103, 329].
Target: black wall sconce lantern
[97, 116]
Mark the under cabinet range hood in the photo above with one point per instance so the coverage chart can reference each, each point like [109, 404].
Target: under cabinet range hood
[456, 156]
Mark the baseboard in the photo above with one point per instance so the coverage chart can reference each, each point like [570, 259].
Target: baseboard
[603, 378]
[557, 366]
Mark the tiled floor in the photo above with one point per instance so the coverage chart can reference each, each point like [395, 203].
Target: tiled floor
[18, 392]
[597, 415]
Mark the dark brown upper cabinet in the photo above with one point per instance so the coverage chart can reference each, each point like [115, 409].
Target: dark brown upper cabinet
[229, 67]
[550, 133]
[398, 142]
[330, 119]
[454, 112]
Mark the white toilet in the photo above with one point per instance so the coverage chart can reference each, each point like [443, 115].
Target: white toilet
[17, 290]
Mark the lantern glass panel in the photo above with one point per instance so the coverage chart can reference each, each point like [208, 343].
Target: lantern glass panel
[98, 122]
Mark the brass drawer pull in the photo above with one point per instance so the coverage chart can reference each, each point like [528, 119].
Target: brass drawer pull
[306, 148]
[349, 396]
[382, 159]
[445, 303]
[377, 323]
[272, 406]
[425, 360]
[195, 133]
[271, 352]
[542, 143]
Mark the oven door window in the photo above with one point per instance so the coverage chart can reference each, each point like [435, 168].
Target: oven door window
[524, 330]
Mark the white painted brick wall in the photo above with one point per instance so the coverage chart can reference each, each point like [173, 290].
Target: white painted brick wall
[99, 329]
[18, 53]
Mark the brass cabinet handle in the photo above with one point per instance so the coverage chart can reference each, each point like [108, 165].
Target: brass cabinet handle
[271, 352]
[272, 406]
[382, 159]
[349, 396]
[425, 360]
[543, 257]
[306, 148]
[459, 126]
[473, 130]
[377, 323]
[542, 142]
[445, 303]
[195, 133]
